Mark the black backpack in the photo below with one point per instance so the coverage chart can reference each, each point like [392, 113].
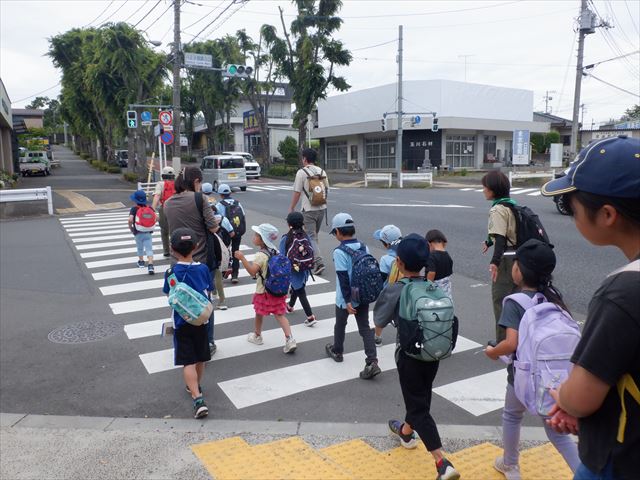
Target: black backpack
[235, 215]
[528, 225]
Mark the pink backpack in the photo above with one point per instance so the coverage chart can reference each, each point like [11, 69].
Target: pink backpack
[145, 220]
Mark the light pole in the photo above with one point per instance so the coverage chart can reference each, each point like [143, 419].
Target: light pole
[177, 62]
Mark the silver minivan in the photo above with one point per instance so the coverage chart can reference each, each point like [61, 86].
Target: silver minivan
[229, 169]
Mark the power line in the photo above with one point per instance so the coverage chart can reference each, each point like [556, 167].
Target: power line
[35, 94]
[566, 72]
[160, 16]
[113, 14]
[633, 22]
[242, 4]
[415, 60]
[101, 13]
[205, 16]
[612, 85]
[374, 46]
[148, 13]
[126, 20]
[611, 59]
[212, 22]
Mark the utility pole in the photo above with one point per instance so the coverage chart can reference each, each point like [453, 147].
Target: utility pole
[465, 65]
[400, 114]
[177, 63]
[547, 99]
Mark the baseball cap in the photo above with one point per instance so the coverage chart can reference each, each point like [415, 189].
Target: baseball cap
[295, 219]
[341, 220]
[207, 188]
[536, 256]
[388, 234]
[183, 240]
[224, 189]
[268, 233]
[413, 250]
[608, 167]
[168, 171]
[139, 197]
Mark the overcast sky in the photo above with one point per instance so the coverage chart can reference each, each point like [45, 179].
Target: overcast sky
[520, 44]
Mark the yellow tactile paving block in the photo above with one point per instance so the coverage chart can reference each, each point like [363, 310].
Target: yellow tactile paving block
[543, 462]
[415, 464]
[477, 462]
[361, 461]
[222, 458]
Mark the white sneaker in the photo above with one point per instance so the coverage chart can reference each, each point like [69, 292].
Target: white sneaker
[290, 345]
[310, 321]
[510, 472]
[254, 338]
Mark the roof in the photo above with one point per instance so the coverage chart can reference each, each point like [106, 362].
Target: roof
[547, 117]
[27, 112]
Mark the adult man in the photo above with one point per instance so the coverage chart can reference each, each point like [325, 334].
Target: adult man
[312, 185]
[164, 190]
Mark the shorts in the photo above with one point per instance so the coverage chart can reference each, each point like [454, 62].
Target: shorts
[267, 304]
[190, 345]
[144, 244]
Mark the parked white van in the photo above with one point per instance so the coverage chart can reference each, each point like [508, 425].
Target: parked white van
[229, 169]
[251, 166]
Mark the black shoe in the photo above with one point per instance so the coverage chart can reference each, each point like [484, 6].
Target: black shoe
[336, 356]
[166, 254]
[213, 348]
[200, 409]
[151, 270]
[370, 370]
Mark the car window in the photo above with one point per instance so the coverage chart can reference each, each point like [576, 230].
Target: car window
[124, 155]
[207, 163]
[232, 163]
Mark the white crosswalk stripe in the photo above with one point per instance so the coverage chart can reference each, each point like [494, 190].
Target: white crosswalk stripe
[532, 192]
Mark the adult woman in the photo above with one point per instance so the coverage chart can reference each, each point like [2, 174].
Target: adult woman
[502, 236]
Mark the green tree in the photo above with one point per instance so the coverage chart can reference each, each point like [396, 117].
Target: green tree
[38, 103]
[632, 113]
[288, 148]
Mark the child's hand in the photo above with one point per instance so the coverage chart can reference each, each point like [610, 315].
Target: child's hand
[490, 352]
[350, 309]
[239, 255]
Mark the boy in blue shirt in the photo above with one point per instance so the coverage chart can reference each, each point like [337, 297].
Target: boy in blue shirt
[190, 343]
[237, 224]
[389, 236]
[343, 227]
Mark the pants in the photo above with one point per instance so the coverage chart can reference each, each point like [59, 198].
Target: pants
[511, 420]
[501, 288]
[301, 294]
[164, 230]
[583, 473]
[144, 244]
[416, 380]
[362, 317]
[217, 279]
[235, 264]
[312, 224]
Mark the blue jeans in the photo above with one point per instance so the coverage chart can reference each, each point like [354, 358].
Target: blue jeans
[144, 244]
[583, 473]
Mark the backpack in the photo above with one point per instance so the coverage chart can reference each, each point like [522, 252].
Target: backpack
[528, 225]
[317, 193]
[300, 253]
[190, 304]
[222, 253]
[278, 276]
[366, 277]
[235, 215]
[427, 327]
[394, 273]
[168, 189]
[547, 337]
[145, 220]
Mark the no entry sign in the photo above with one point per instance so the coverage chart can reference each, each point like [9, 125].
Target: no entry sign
[165, 118]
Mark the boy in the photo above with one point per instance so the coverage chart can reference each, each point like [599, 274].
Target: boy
[389, 236]
[602, 189]
[233, 213]
[343, 227]
[190, 343]
[144, 240]
[416, 376]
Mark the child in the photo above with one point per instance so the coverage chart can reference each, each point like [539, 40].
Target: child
[144, 241]
[233, 222]
[389, 236]
[263, 302]
[602, 189]
[190, 343]
[533, 264]
[343, 228]
[439, 266]
[299, 278]
[416, 376]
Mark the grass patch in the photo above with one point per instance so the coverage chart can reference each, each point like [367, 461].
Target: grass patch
[114, 169]
[130, 177]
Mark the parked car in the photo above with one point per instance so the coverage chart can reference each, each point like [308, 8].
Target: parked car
[251, 166]
[229, 169]
[559, 199]
[33, 163]
[121, 158]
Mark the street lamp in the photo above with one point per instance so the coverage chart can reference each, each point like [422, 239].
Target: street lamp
[155, 43]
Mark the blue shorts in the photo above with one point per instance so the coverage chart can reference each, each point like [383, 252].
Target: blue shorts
[144, 244]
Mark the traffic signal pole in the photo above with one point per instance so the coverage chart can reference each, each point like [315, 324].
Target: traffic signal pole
[177, 63]
[400, 115]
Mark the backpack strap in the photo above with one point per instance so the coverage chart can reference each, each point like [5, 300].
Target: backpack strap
[524, 300]
[625, 384]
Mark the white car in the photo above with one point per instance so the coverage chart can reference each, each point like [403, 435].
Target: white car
[251, 166]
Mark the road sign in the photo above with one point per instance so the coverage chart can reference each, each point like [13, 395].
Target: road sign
[198, 60]
[167, 138]
[184, 141]
[167, 128]
[145, 123]
[156, 130]
[145, 116]
[520, 147]
[165, 118]
[417, 119]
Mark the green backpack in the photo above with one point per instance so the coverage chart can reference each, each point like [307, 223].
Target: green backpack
[427, 328]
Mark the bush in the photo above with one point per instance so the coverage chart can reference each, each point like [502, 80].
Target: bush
[8, 180]
[288, 148]
[114, 169]
[189, 158]
[130, 177]
[286, 171]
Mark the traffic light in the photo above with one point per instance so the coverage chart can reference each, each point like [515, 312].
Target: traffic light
[384, 122]
[434, 125]
[132, 119]
[238, 71]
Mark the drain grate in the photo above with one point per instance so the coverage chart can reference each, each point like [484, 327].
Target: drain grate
[84, 332]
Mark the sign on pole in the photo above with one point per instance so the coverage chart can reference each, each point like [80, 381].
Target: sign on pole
[556, 155]
[184, 141]
[167, 138]
[165, 118]
[156, 130]
[145, 116]
[198, 60]
[521, 147]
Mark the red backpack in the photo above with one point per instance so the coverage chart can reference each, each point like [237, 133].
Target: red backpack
[145, 220]
[167, 191]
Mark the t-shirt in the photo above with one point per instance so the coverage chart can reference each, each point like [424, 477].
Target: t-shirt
[196, 275]
[609, 348]
[343, 263]
[301, 185]
[262, 260]
[502, 221]
[386, 262]
[511, 315]
[441, 263]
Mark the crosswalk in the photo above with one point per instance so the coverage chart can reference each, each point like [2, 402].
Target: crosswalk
[532, 192]
[107, 250]
[271, 188]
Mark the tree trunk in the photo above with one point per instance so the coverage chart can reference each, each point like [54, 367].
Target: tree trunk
[302, 136]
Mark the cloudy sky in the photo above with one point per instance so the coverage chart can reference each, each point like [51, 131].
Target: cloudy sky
[520, 44]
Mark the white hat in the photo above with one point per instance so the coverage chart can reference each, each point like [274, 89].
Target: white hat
[268, 233]
[168, 171]
[207, 188]
[388, 234]
[341, 220]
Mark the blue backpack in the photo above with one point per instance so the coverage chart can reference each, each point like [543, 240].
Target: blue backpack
[278, 276]
[366, 279]
[191, 305]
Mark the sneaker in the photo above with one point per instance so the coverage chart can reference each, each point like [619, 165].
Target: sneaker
[255, 338]
[336, 356]
[290, 345]
[186, 387]
[310, 321]
[200, 409]
[446, 471]
[318, 269]
[151, 270]
[510, 472]
[166, 254]
[289, 308]
[234, 280]
[213, 348]
[221, 306]
[407, 441]
[378, 339]
[141, 263]
[370, 370]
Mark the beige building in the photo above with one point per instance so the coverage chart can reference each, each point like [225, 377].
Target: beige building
[33, 118]
[6, 127]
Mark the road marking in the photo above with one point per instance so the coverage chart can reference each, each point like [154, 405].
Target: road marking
[411, 205]
[94, 226]
[81, 203]
[118, 251]
[526, 190]
[466, 189]
[84, 233]
[479, 190]
[128, 272]
[535, 194]
[113, 212]
[93, 221]
[107, 237]
[120, 261]
[251, 189]
[477, 395]
[283, 187]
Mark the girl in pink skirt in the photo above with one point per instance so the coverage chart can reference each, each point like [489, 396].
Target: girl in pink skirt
[263, 302]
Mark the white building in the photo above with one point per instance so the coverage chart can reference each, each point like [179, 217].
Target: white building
[476, 124]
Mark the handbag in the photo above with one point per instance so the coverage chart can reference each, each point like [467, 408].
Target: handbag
[212, 261]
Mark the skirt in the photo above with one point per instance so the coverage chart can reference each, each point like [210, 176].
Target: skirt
[267, 304]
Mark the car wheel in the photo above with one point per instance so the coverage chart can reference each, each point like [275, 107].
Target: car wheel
[560, 205]
[24, 174]
[244, 189]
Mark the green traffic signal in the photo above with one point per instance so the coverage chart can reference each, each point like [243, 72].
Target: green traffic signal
[232, 69]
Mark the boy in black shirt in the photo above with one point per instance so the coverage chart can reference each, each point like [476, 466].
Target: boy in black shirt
[439, 266]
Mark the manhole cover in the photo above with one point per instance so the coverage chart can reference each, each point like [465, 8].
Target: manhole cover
[84, 332]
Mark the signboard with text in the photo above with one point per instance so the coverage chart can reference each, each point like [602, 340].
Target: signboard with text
[521, 145]
[250, 122]
[198, 60]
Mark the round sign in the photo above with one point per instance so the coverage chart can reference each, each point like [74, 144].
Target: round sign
[167, 138]
[417, 119]
[145, 116]
[165, 118]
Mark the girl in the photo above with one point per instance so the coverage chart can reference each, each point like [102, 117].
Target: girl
[263, 302]
[439, 266]
[531, 272]
[295, 220]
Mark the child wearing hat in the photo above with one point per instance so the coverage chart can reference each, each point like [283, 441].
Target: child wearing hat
[602, 189]
[389, 236]
[264, 303]
[233, 221]
[144, 240]
[416, 376]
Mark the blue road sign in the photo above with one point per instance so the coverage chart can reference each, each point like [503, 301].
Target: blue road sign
[417, 119]
[145, 116]
[167, 138]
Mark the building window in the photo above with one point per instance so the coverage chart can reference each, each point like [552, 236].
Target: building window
[336, 156]
[460, 151]
[380, 153]
[490, 148]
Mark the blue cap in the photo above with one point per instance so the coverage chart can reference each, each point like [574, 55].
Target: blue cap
[388, 234]
[207, 188]
[413, 250]
[341, 220]
[139, 197]
[608, 167]
[224, 189]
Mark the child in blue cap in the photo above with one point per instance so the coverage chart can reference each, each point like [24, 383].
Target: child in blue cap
[142, 221]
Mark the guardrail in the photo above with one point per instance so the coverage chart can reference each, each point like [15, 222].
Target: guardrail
[523, 175]
[416, 177]
[377, 177]
[28, 195]
[148, 188]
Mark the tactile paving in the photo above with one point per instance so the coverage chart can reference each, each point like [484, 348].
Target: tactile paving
[477, 462]
[361, 461]
[223, 458]
[543, 462]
